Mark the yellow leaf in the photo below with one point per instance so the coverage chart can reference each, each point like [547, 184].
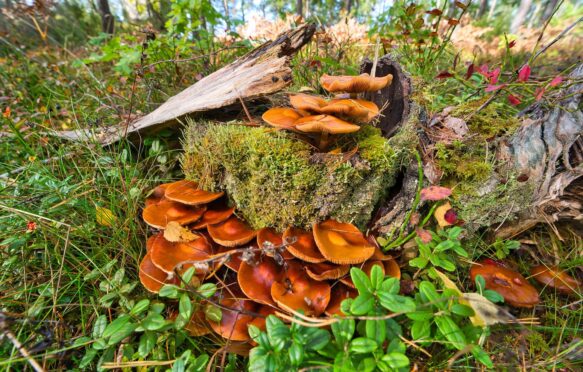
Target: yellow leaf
[175, 233]
[104, 216]
[439, 214]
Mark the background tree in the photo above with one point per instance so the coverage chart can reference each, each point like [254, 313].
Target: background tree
[107, 20]
[520, 16]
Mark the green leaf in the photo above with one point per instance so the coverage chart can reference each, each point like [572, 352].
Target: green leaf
[254, 332]
[391, 286]
[296, 354]
[376, 277]
[428, 291]
[115, 326]
[123, 332]
[178, 366]
[361, 281]
[482, 356]
[420, 315]
[99, 326]
[362, 345]
[140, 307]
[87, 358]
[462, 310]
[459, 250]
[343, 331]
[396, 303]
[213, 313]
[200, 363]
[153, 322]
[277, 332]
[362, 304]
[421, 330]
[185, 306]
[207, 290]
[446, 264]
[367, 365]
[493, 296]
[169, 291]
[147, 343]
[396, 360]
[157, 307]
[188, 274]
[376, 330]
[419, 262]
[443, 246]
[450, 330]
[480, 283]
[316, 339]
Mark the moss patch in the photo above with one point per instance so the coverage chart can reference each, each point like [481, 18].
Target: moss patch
[274, 179]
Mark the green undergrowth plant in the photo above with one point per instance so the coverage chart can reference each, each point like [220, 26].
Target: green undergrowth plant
[437, 252]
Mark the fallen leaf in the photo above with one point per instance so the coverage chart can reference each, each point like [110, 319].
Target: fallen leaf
[514, 101]
[439, 214]
[556, 81]
[538, 93]
[524, 73]
[435, 193]
[424, 235]
[104, 216]
[458, 125]
[176, 233]
[415, 218]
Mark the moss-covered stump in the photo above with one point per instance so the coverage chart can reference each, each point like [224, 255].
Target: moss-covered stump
[275, 179]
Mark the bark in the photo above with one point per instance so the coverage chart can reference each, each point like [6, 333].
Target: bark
[548, 10]
[300, 8]
[348, 5]
[483, 8]
[520, 16]
[107, 20]
[261, 72]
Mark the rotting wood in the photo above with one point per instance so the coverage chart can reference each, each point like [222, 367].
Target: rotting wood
[261, 72]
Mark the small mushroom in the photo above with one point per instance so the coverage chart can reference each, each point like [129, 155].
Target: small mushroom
[268, 236]
[357, 109]
[159, 214]
[304, 246]
[157, 194]
[262, 314]
[150, 241]
[152, 278]
[297, 291]
[168, 255]
[281, 117]
[187, 192]
[508, 283]
[342, 243]
[236, 316]
[214, 216]
[326, 271]
[234, 260]
[197, 326]
[306, 102]
[340, 292]
[232, 232]
[324, 125]
[255, 280]
[555, 278]
[354, 84]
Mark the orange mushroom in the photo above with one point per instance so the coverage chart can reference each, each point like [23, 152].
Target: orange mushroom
[281, 117]
[214, 216]
[231, 233]
[157, 194]
[262, 314]
[324, 125]
[296, 291]
[340, 292]
[508, 283]
[236, 316]
[342, 243]
[305, 102]
[256, 280]
[268, 236]
[326, 271]
[555, 278]
[168, 255]
[159, 214]
[152, 278]
[187, 192]
[234, 261]
[358, 109]
[354, 84]
[150, 241]
[304, 246]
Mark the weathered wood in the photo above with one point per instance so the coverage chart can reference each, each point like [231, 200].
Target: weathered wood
[263, 71]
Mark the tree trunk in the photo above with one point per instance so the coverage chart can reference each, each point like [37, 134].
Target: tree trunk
[300, 8]
[520, 16]
[482, 9]
[548, 10]
[492, 9]
[107, 20]
[348, 6]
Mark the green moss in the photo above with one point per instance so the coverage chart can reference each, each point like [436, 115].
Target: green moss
[274, 179]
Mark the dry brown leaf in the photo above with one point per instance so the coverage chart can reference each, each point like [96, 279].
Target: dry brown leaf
[176, 233]
[439, 214]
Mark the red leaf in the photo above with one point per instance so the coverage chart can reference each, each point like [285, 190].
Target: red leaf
[514, 101]
[483, 70]
[493, 88]
[470, 71]
[556, 81]
[453, 22]
[450, 216]
[524, 73]
[494, 76]
[538, 93]
[424, 235]
[435, 193]
[444, 75]
[511, 44]
[435, 12]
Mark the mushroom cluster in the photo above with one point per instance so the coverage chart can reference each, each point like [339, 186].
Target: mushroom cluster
[266, 271]
[322, 118]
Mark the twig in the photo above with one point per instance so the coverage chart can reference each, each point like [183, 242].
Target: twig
[9, 335]
[373, 70]
[557, 38]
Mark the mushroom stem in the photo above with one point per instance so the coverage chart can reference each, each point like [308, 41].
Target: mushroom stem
[324, 141]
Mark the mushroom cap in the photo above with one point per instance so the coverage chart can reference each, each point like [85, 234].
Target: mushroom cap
[297, 291]
[342, 243]
[508, 283]
[267, 234]
[233, 324]
[197, 325]
[281, 117]
[554, 277]
[187, 192]
[168, 255]
[159, 214]
[157, 194]
[306, 102]
[151, 240]
[325, 124]
[151, 277]
[359, 109]
[305, 247]
[354, 84]
[256, 280]
[231, 233]
[326, 271]
[234, 261]
[214, 216]
[263, 312]
[340, 292]
[392, 269]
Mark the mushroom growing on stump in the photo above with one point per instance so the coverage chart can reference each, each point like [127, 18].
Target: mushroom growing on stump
[354, 84]
[235, 318]
[326, 271]
[508, 283]
[307, 103]
[152, 278]
[159, 214]
[187, 192]
[324, 125]
[340, 292]
[255, 280]
[231, 233]
[213, 216]
[555, 278]
[281, 117]
[342, 243]
[304, 246]
[168, 255]
[356, 109]
[267, 238]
